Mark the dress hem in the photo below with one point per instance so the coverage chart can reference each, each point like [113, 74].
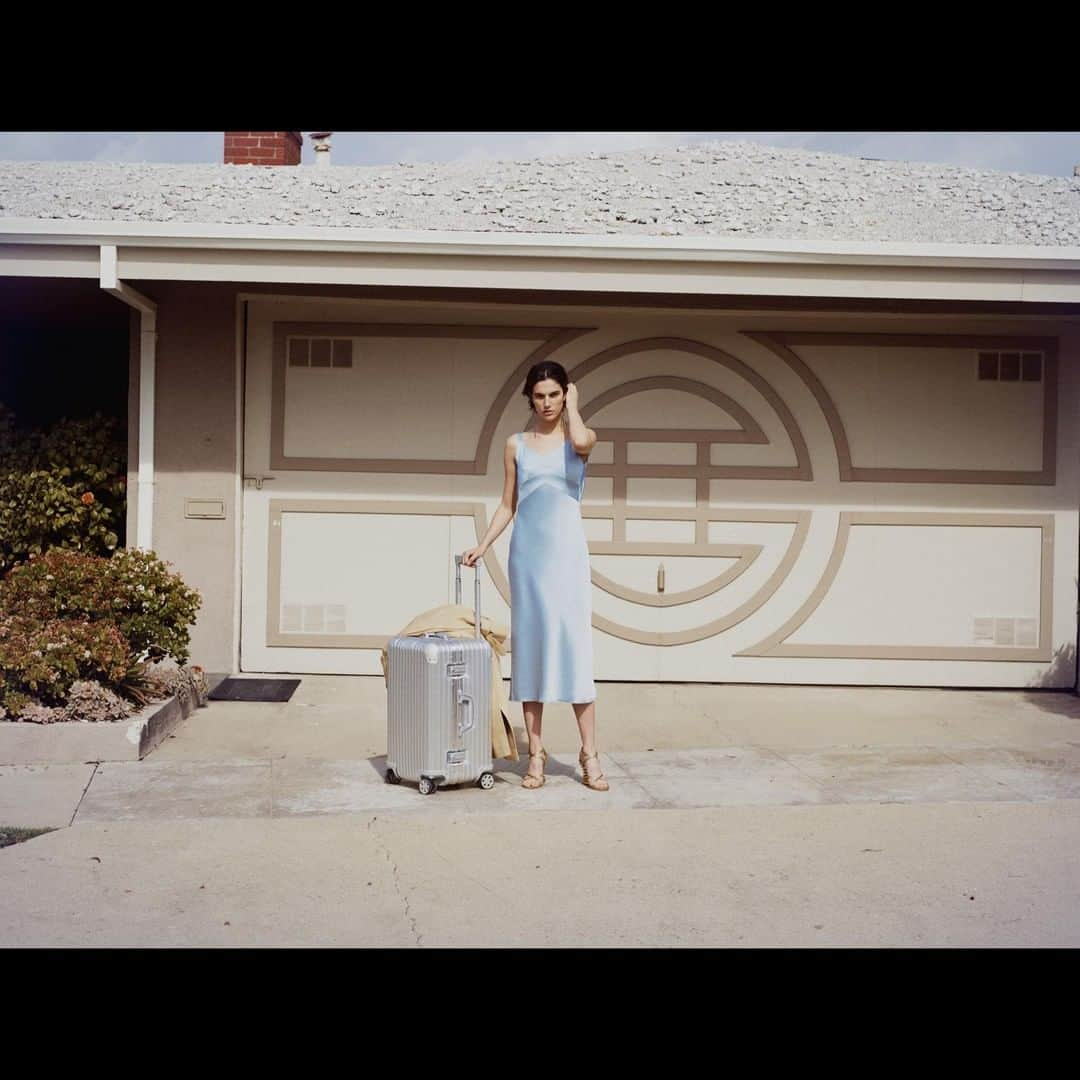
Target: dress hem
[547, 701]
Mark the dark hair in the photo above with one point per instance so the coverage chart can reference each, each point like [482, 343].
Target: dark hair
[546, 369]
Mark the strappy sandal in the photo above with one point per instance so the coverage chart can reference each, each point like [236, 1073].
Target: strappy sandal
[595, 780]
[531, 781]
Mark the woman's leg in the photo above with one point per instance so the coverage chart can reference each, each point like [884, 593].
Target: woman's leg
[586, 720]
[534, 717]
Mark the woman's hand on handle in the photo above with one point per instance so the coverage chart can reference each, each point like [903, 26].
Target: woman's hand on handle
[472, 556]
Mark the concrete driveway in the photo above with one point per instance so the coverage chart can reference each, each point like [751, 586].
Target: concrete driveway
[737, 815]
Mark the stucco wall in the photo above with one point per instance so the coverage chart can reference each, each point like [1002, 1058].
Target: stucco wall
[195, 453]
[198, 405]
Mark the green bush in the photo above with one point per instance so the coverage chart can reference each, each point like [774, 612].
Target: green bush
[69, 615]
[152, 608]
[40, 659]
[64, 487]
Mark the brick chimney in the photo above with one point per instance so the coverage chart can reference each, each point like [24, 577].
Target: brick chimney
[263, 147]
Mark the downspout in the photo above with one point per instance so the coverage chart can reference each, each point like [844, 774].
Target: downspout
[144, 519]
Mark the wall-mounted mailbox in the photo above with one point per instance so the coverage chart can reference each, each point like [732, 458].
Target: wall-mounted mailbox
[204, 508]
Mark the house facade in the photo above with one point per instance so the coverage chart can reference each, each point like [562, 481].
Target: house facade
[840, 462]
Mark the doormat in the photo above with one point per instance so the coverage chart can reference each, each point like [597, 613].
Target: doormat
[254, 690]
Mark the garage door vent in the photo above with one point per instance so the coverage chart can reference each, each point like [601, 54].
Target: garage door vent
[313, 619]
[1010, 366]
[1022, 631]
[320, 352]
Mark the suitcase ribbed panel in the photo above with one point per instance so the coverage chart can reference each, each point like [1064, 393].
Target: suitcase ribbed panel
[422, 708]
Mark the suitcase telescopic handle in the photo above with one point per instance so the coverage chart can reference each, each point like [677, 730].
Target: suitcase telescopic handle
[457, 588]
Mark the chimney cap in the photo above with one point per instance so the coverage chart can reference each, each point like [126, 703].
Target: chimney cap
[320, 134]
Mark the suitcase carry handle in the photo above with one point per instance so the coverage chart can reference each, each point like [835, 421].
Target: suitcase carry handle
[457, 588]
[465, 703]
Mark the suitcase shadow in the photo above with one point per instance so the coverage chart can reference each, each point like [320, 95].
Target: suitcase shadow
[499, 766]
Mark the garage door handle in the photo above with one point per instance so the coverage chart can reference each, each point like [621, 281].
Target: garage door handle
[660, 578]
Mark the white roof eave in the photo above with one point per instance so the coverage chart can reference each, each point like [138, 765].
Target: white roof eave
[535, 245]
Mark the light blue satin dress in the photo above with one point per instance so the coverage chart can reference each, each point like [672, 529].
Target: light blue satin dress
[550, 583]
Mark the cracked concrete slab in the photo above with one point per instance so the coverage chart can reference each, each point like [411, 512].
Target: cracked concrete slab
[312, 786]
[40, 795]
[146, 791]
[919, 874]
[898, 775]
[1052, 772]
[248, 731]
[726, 776]
[822, 717]
[337, 717]
[718, 776]
[221, 882]
[928, 874]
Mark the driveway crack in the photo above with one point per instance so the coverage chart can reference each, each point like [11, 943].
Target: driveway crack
[655, 803]
[397, 881]
[824, 786]
[75, 812]
[987, 776]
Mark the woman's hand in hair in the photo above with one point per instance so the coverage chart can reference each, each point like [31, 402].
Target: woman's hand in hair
[472, 556]
[571, 396]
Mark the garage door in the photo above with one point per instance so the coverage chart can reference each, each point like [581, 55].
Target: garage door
[763, 504]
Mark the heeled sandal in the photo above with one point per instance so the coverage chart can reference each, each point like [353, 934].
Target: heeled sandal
[596, 781]
[531, 781]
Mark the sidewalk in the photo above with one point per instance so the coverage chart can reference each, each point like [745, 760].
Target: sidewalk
[736, 815]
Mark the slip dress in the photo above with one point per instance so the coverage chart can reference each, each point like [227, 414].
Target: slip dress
[550, 582]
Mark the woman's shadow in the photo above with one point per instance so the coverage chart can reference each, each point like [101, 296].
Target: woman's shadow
[521, 766]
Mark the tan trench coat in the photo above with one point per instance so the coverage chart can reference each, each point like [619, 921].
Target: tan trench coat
[460, 621]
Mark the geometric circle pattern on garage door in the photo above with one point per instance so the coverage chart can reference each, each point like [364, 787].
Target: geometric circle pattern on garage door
[682, 488]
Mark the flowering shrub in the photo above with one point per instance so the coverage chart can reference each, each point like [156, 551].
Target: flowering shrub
[34, 713]
[186, 681]
[152, 607]
[60, 488]
[57, 584]
[77, 629]
[89, 701]
[134, 590]
[41, 659]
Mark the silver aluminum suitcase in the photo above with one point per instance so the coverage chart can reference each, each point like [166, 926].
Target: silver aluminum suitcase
[439, 706]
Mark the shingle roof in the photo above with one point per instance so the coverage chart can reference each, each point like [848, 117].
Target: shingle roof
[725, 189]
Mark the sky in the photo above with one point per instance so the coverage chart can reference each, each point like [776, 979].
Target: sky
[1050, 153]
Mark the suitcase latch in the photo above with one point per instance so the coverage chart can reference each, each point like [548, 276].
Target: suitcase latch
[455, 671]
[455, 757]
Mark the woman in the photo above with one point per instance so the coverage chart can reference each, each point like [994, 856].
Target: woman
[550, 584]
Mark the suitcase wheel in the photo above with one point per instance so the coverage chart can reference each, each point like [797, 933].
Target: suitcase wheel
[486, 781]
[392, 777]
[427, 785]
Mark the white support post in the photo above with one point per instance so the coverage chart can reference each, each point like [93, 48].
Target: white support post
[144, 526]
[144, 494]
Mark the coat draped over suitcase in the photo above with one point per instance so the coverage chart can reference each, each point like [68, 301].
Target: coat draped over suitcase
[460, 621]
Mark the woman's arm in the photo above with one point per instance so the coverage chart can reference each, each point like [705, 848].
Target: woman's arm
[504, 514]
[582, 438]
